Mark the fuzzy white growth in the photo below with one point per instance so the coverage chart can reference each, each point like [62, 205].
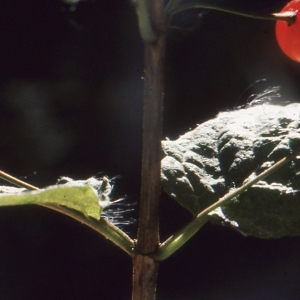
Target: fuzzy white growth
[266, 96]
[118, 212]
[115, 211]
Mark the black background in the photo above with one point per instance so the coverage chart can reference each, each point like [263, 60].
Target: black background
[71, 105]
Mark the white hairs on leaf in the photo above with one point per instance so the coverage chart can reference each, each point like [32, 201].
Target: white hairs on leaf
[115, 211]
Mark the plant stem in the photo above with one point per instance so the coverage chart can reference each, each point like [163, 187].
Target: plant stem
[289, 17]
[148, 236]
[144, 22]
[102, 226]
[174, 242]
[144, 267]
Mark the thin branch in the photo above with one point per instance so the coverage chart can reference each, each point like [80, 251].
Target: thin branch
[289, 16]
[102, 226]
[174, 242]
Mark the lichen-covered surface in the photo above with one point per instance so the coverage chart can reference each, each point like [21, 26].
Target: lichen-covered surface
[205, 163]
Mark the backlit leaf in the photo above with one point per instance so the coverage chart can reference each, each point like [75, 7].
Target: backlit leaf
[219, 155]
[86, 196]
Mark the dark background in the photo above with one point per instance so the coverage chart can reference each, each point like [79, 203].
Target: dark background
[71, 105]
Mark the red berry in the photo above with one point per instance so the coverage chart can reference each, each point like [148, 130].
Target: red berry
[288, 36]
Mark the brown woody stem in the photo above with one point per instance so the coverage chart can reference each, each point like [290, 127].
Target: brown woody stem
[144, 267]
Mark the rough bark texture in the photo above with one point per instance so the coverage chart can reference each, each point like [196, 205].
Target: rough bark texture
[220, 154]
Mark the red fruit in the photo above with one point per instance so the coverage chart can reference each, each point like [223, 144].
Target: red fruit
[288, 36]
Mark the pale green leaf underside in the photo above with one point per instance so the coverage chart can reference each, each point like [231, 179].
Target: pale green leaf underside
[82, 198]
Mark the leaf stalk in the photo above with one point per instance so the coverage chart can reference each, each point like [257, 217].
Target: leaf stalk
[288, 17]
[102, 226]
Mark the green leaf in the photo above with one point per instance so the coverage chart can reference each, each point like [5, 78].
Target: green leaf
[265, 211]
[86, 196]
[221, 154]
